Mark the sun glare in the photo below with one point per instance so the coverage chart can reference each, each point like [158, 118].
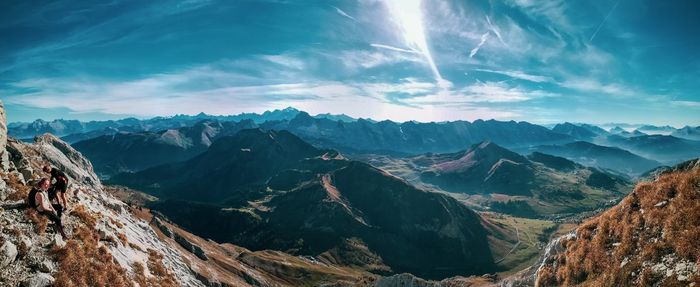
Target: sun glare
[408, 16]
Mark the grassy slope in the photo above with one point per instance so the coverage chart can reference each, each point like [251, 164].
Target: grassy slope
[658, 221]
[516, 242]
[555, 183]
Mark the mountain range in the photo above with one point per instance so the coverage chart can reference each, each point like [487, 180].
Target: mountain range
[284, 194]
[413, 137]
[291, 213]
[666, 149]
[124, 151]
[494, 177]
[74, 130]
[122, 148]
[611, 158]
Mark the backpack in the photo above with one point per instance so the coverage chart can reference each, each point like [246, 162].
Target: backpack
[31, 198]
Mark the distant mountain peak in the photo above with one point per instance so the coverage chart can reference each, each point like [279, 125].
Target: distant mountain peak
[490, 147]
[485, 144]
[485, 152]
[302, 119]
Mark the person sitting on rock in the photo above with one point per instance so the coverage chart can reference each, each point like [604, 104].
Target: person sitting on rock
[39, 199]
[60, 186]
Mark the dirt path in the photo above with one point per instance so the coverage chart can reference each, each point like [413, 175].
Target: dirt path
[515, 246]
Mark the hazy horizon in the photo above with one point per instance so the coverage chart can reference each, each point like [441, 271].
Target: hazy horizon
[606, 125]
[542, 62]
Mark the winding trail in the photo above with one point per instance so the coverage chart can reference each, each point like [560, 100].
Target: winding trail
[515, 246]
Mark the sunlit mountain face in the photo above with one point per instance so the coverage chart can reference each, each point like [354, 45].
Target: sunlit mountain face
[539, 61]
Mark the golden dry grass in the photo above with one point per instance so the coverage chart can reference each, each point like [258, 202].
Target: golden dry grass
[163, 277]
[116, 223]
[21, 190]
[81, 262]
[139, 274]
[40, 221]
[639, 229]
[123, 238]
[81, 212]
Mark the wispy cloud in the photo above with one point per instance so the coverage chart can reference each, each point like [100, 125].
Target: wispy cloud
[484, 37]
[519, 75]
[552, 12]
[692, 104]
[592, 85]
[480, 92]
[287, 61]
[495, 30]
[354, 60]
[344, 14]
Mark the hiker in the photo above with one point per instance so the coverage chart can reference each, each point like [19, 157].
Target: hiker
[39, 199]
[57, 193]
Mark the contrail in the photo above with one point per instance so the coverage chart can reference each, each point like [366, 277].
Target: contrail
[604, 20]
[394, 48]
[342, 13]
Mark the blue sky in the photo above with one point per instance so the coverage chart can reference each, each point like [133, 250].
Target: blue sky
[432, 60]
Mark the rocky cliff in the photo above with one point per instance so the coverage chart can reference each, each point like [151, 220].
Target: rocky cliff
[106, 241]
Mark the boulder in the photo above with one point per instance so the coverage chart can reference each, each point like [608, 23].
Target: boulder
[8, 253]
[3, 190]
[46, 266]
[27, 171]
[102, 233]
[20, 177]
[25, 242]
[58, 241]
[38, 280]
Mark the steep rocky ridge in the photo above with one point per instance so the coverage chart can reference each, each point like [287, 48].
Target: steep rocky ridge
[648, 239]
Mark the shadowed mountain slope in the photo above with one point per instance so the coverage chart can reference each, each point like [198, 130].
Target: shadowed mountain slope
[271, 190]
[601, 156]
[125, 151]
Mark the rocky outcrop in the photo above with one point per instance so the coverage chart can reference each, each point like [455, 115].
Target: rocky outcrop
[38, 280]
[194, 249]
[8, 254]
[4, 159]
[406, 280]
[25, 254]
[188, 245]
[64, 157]
[162, 227]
